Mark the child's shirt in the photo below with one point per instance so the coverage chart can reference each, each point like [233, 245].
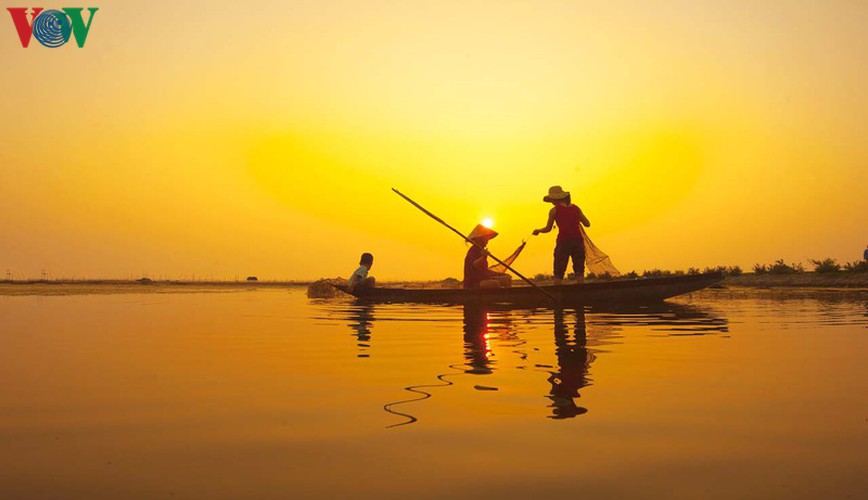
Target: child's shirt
[357, 276]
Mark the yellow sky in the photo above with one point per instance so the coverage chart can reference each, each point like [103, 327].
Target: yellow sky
[218, 139]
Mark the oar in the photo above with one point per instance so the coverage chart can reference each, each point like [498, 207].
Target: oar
[459, 233]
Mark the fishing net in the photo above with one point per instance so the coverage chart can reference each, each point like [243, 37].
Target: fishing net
[596, 261]
[500, 268]
[325, 288]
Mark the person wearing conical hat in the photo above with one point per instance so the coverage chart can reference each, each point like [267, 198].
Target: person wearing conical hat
[570, 244]
[476, 271]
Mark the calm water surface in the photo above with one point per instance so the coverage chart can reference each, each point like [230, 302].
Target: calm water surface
[269, 394]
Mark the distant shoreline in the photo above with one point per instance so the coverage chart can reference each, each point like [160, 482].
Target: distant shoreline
[800, 280]
[849, 280]
[141, 282]
[93, 287]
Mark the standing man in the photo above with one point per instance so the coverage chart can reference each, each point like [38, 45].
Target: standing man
[570, 243]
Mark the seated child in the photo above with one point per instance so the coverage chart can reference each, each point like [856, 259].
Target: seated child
[360, 278]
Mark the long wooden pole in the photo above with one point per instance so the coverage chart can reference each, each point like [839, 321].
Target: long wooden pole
[459, 233]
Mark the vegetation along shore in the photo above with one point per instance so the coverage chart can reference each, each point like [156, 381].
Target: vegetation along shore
[826, 274]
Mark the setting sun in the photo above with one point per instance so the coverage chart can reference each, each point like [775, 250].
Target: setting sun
[487, 222]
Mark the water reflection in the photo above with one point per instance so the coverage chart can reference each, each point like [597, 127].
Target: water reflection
[487, 329]
[419, 393]
[477, 348]
[478, 328]
[574, 362]
[484, 324]
[361, 322]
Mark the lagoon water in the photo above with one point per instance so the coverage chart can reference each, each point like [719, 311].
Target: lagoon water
[269, 394]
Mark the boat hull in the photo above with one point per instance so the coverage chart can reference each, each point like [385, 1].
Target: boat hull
[636, 291]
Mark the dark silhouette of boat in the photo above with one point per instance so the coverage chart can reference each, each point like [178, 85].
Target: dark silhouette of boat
[633, 291]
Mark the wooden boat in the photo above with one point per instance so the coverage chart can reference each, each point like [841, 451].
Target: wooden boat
[634, 291]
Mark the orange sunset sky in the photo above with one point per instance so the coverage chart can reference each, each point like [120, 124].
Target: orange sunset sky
[222, 139]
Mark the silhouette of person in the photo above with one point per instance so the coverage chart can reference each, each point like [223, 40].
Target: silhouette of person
[574, 360]
[570, 242]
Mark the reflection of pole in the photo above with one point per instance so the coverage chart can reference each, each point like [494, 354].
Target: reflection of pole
[420, 393]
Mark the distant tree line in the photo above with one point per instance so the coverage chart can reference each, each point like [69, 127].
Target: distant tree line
[827, 265]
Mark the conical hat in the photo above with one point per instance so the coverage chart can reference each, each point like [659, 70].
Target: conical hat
[481, 231]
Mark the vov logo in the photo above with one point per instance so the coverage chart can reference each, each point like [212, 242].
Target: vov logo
[51, 28]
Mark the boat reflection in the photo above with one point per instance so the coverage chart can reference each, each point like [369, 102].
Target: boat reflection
[579, 336]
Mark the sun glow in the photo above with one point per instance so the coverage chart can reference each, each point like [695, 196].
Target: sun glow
[488, 222]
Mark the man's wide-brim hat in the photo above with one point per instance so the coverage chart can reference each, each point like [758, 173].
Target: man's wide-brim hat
[480, 232]
[556, 193]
